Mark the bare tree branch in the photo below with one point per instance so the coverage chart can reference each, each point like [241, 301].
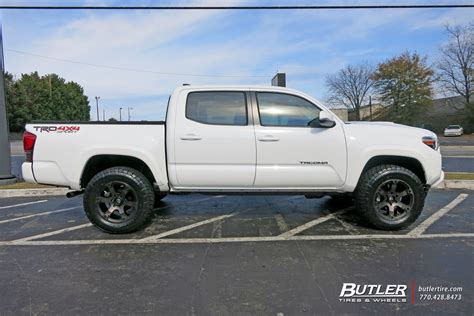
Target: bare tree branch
[350, 86]
[456, 66]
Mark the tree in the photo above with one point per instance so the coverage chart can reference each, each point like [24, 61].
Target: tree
[404, 83]
[48, 97]
[350, 86]
[456, 66]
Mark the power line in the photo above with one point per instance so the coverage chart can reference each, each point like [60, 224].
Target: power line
[131, 69]
[272, 7]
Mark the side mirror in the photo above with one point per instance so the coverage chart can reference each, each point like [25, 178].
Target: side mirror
[325, 120]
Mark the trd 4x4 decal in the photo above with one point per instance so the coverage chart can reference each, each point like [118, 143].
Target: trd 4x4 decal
[58, 129]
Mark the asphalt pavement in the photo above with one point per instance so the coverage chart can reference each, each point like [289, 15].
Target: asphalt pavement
[458, 164]
[227, 255]
[464, 140]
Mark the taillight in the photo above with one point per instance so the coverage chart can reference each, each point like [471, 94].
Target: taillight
[29, 140]
[430, 141]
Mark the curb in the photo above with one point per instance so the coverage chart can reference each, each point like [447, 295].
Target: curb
[456, 184]
[33, 192]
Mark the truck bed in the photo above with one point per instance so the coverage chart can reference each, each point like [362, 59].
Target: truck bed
[62, 149]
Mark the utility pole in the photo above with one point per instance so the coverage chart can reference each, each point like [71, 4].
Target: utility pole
[129, 108]
[370, 106]
[97, 106]
[120, 114]
[103, 115]
[5, 167]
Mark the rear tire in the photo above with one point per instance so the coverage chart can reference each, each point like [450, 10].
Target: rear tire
[119, 200]
[390, 197]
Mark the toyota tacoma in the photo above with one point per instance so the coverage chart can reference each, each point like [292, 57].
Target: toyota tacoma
[235, 139]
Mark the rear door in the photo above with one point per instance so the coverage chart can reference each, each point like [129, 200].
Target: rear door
[214, 140]
[291, 154]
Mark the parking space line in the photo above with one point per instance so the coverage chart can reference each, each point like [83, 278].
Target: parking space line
[217, 229]
[228, 239]
[420, 229]
[379, 236]
[187, 227]
[22, 204]
[312, 223]
[39, 214]
[56, 232]
[281, 223]
[348, 227]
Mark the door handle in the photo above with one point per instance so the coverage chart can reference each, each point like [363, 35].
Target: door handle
[190, 137]
[268, 138]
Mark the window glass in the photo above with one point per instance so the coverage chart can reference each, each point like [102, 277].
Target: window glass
[278, 109]
[222, 108]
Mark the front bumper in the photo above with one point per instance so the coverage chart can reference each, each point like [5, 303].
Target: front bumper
[27, 172]
[452, 134]
[438, 181]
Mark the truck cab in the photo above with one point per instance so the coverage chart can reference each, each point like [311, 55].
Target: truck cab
[252, 139]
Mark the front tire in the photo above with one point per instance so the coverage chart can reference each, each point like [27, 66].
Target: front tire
[119, 200]
[390, 197]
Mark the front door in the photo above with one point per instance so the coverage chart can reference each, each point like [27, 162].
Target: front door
[292, 155]
[214, 141]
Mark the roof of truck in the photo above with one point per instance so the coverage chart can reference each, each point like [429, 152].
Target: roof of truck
[235, 87]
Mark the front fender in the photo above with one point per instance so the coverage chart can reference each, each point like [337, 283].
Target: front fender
[357, 162]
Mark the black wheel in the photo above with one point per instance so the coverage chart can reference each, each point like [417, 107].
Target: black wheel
[390, 197]
[119, 200]
[158, 197]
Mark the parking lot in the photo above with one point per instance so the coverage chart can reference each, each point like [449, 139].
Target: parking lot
[230, 255]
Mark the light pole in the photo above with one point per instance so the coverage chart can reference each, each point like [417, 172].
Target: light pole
[129, 109]
[103, 115]
[120, 114]
[97, 106]
[370, 106]
[5, 168]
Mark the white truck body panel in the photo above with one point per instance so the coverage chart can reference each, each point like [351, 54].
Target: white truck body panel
[209, 156]
[59, 158]
[198, 157]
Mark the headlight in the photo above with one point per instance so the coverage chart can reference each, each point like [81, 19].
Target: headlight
[431, 141]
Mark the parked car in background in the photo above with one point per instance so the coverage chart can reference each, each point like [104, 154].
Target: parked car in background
[453, 130]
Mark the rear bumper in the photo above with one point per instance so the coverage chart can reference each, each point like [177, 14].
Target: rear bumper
[27, 172]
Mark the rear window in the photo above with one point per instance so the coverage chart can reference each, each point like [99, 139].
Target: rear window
[454, 127]
[217, 108]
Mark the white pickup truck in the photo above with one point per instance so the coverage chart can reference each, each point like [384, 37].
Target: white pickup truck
[232, 139]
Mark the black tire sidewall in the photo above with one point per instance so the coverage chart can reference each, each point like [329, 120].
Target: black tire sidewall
[144, 194]
[365, 196]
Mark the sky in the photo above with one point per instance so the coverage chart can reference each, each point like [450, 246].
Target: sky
[135, 58]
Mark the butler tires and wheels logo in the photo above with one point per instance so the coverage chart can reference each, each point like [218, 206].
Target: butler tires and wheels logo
[62, 129]
[373, 293]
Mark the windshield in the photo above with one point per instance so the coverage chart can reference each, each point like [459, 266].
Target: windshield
[453, 127]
